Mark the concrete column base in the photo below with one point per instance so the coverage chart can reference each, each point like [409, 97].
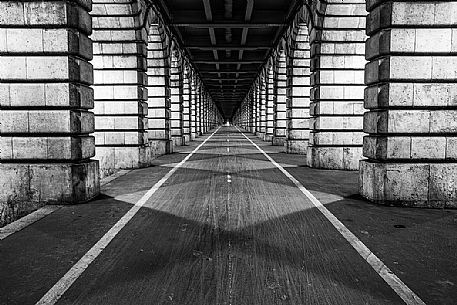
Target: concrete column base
[156, 148]
[186, 139]
[297, 147]
[278, 141]
[268, 138]
[345, 158]
[193, 136]
[409, 184]
[114, 158]
[27, 187]
[261, 135]
[178, 140]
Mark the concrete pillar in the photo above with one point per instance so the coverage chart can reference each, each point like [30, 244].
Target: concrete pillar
[412, 98]
[245, 111]
[251, 111]
[298, 91]
[158, 73]
[186, 103]
[193, 107]
[256, 108]
[120, 49]
[270, 104]
[45, 100]
[202, 111]
[280, 109]
[198, 108]
[262, 108]
[337, 65]
[176, 120]
[208, 99]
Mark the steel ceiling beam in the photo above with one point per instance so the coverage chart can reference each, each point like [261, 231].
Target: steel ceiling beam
[230, 62]
[228, 47]
[228, 25]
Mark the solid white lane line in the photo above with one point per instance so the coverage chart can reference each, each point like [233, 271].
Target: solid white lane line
[400, 288]
[25, 221]
[54, 294]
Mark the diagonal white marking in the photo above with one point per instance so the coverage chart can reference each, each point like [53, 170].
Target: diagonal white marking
[54, 294]
[26, 221]
[397, 285]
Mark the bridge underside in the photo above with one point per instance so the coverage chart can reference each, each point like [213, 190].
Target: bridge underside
[359, 93]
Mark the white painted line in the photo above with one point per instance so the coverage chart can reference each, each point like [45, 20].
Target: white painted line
[228, 149]
[54, 294]
[229, 178]
[25, 221]
[400, 288]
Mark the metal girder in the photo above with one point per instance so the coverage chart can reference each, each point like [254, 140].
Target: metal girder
[228, 25]
[229, 62]
[228, 47]
[228, 41]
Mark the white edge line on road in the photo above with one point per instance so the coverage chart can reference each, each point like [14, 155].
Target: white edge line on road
[27, 220]
[400, 288]
[54, 294]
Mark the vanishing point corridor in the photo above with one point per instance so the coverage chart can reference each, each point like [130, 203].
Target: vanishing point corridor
[227, 226]
[228, 152]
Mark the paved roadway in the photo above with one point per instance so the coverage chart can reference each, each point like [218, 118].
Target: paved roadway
[227, 227]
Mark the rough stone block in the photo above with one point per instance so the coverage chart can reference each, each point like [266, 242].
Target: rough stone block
[297, 147]
[409, 184]
[26, 187]
[346, 158]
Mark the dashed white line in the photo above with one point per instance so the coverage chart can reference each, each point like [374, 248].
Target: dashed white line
[228, 149]
[229, 178]
[54, 294]
[397, 285]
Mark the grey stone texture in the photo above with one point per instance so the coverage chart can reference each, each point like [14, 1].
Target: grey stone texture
[46, 104]
[411, 97]
[298, 92]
